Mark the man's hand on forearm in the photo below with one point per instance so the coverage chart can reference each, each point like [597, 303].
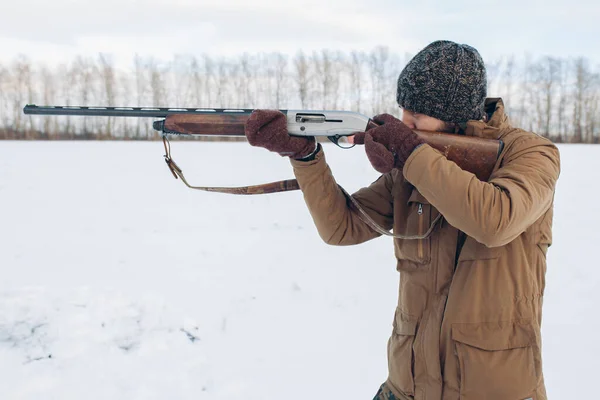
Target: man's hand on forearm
[268, 129]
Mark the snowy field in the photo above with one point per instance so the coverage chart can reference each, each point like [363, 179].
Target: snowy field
[118, 282]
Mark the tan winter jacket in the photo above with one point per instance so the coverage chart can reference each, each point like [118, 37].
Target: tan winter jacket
[467, 323]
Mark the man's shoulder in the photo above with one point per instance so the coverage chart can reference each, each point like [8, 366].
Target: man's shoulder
[519, 142]
[517, 139]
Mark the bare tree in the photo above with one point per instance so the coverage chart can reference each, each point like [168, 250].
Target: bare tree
[85, 71]
[377, 71]
[50, 124]
[562, 124]
[126, 95]
[221, 81]
[280, 76]
[247, 77]
[592, 110]
[157, 86]
[493, 70]
[22, 93]
[107, 73]
[4, 103]
[356, 79]
[302, 77]
[525, 98]
[198, 82]
[209, 67]
[545, 79]
[507, 80]
[67, 80]
[140, 90]
[590, 104]
[579, 93]
[179, 81]
[324, 69]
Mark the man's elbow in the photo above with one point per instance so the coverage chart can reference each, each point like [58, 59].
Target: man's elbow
[337, 240]
[493, 241]
[343, 236]
[496, 237]
[332, 240]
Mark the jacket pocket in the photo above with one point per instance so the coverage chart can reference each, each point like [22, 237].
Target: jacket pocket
[400, 353]
[413, 252]
[496, 360]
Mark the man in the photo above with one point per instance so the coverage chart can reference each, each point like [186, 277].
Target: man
[467, 323]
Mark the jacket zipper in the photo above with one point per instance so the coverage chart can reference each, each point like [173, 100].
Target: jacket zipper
[420, 244]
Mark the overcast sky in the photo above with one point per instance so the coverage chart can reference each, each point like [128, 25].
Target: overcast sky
[57, 30]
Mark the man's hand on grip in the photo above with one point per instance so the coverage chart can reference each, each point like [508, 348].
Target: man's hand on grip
[388, 145]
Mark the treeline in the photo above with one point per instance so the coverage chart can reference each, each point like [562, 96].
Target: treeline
[555, 97]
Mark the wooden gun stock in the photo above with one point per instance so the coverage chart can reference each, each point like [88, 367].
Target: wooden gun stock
[473, 154]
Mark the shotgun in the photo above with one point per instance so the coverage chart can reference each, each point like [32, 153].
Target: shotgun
[476, 155]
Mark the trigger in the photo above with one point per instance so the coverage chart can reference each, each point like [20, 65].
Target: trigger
[335, 139]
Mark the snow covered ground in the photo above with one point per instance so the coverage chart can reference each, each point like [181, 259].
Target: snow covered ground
[118, 282]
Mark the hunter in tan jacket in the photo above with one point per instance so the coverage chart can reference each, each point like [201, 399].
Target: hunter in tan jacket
[467, 323]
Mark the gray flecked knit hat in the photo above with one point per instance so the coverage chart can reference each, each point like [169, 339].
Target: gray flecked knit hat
[445, 80]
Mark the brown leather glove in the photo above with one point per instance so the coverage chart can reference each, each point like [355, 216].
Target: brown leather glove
[389, 145]
[268, 129]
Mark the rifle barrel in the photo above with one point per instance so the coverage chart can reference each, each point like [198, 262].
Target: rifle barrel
[150, 112]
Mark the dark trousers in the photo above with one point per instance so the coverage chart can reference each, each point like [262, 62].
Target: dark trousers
[384, 394]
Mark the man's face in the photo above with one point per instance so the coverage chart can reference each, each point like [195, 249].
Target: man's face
[422, 122]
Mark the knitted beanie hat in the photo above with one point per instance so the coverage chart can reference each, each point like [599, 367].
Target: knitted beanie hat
[445, 80]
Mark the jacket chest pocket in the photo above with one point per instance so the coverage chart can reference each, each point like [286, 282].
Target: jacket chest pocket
[414, 222]
[496, 361]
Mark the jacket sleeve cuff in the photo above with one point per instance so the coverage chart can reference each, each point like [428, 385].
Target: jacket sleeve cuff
[317, 158]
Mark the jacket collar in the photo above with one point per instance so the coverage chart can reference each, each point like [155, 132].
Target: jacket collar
[497, 121]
